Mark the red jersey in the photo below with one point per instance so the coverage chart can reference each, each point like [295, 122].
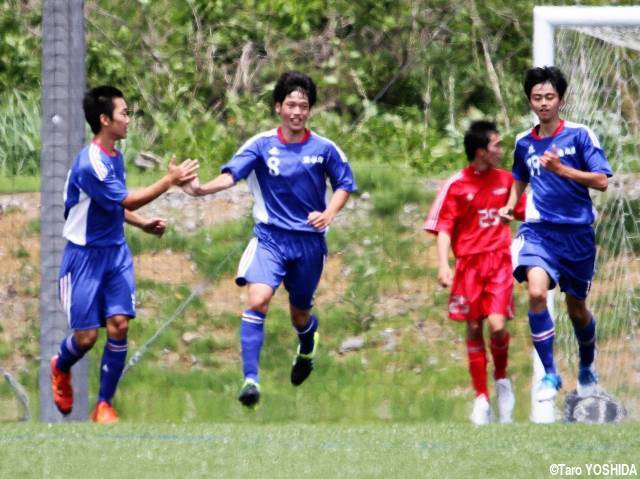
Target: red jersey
[467, 207]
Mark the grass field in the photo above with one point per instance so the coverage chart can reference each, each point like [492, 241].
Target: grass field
[420, 450]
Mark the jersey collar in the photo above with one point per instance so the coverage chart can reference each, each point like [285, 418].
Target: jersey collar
[307, 134]
[112, 154]
[536, 136]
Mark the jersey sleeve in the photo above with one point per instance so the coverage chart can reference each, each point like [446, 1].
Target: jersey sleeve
[100, 182]
[519, 170]
[244, 161]
[338, 170]
[594, 157]
[444, 212]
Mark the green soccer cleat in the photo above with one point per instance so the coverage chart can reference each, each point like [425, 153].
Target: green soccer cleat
[249, 393]
[303, 363]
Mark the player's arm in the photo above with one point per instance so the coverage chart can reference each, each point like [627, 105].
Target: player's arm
[506, 212]
[176, 175]
[219, 183]
[154, 226]
[445, 275]
[551, 161]
[320, 220]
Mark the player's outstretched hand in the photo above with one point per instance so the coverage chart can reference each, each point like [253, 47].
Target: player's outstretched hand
[155, 226]
[184, 172]
[506, 214]
[445, 276]
[319, 220]
[192, 188]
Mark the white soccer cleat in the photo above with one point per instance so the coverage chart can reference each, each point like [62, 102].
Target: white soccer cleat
[481, 414]
[547, 388]
[506, 401]
[587, 382]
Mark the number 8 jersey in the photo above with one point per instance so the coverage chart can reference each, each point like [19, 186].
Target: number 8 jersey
[466, 208]
[288, 180]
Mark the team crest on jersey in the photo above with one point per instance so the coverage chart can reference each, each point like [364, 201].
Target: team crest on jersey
[311, 160]
[274, 151]
[500, 191]
[469, 196]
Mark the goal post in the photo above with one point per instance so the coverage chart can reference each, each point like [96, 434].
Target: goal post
[602, 99]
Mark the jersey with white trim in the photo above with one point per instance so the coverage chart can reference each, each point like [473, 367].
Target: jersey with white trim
[289, 180]
[556, 199]
[466, 208]
[93, 195]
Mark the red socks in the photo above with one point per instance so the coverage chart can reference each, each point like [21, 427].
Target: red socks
[500, 352]
[478, 366]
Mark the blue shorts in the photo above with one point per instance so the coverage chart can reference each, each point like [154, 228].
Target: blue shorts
[95, 284]
[276, 255]
[566, 252]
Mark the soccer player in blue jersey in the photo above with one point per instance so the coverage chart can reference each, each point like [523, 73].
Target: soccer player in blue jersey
[96, 273]
[556, 243]
[287, 169]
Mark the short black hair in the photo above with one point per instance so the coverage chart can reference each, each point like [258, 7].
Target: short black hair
[99, 101]
[478, 136]
[537, 75]
[294, 81]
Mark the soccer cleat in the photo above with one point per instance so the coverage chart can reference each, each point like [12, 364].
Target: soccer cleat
[61, 387]
[547, 388]
[587, 382]
[481, 413]
[249, 393]
[303, 363]
[506, 400]
[104, 413]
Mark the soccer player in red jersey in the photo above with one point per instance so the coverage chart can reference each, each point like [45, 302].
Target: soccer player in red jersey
[465, 218]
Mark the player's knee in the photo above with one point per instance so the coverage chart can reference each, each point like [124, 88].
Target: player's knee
[86, 339]
[259, 303]
[118, 327]
[474, 329]
[537, 297]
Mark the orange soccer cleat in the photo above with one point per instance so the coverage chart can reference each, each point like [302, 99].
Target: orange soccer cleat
[61, 387]
[104, 413]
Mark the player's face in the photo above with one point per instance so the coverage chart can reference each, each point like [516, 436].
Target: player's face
[545, 102]
[117, 126]
[294, 111]
[494, 150]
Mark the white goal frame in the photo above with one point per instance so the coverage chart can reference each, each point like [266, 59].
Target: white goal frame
[546, 20]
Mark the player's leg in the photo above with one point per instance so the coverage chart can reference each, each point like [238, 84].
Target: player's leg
[542, 332]
[584, 326]
[499, 346]
[78, 290]
[477, 360]
[262, 268]
[302, 279]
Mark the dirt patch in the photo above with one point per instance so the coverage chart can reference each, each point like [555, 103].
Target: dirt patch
[166, 266]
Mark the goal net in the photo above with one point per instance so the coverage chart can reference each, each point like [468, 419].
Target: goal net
[602, 65]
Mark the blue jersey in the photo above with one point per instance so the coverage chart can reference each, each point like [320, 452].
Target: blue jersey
[93, 195]
[288, 180]
[555, 199]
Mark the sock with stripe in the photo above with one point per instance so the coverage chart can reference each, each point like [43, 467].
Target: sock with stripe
[305, 335]
[69, 353]
[111, 367]
[478, 366]
[251, 339]
[543, 335]
[586, 342]
[500, 354]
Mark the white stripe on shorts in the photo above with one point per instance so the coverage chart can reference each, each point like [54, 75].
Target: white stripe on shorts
[247, 257]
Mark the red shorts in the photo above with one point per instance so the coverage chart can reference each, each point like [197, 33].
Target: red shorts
[482, 285]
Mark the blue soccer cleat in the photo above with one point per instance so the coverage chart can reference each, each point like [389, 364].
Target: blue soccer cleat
[587, 382]
[547, 388]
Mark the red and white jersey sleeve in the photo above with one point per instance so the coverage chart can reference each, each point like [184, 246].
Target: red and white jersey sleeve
[467, 207]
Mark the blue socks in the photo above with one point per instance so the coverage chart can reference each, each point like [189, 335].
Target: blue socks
[251, 339]
[305, 335]
[113, 361]
[543, 334]
[586, 343]
[69, 353]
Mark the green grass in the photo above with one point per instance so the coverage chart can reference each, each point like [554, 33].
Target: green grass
[224, 450]
[19, 184]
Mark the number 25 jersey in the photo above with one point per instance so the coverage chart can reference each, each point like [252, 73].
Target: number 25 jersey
[466, 208]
